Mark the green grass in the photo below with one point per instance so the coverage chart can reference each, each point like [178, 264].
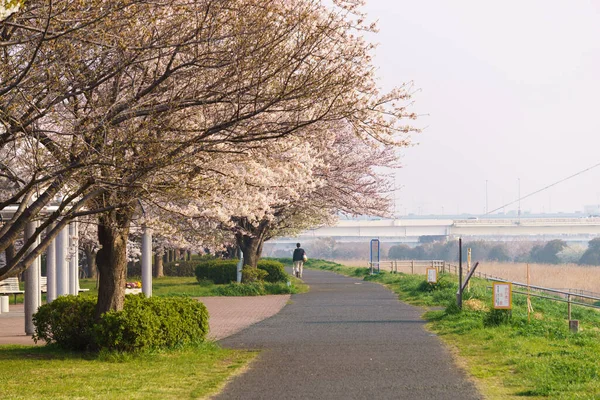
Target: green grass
[190, 287]
[28, 372]
[539, 359]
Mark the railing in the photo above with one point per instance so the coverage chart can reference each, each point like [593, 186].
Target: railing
[570, 296]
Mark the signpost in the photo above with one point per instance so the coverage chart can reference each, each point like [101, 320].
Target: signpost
[374, 255]
[431, 275]
[502, 294]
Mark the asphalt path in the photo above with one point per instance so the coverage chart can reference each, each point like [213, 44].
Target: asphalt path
[346, 339]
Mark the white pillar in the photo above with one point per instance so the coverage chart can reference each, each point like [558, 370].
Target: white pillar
[147, 261]
[32, 283]
[51, 269]
[73, 259]
[62, 278]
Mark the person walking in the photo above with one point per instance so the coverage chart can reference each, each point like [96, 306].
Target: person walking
[299, 257]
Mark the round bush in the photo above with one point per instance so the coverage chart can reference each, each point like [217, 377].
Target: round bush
[275, 270]
[67, 322]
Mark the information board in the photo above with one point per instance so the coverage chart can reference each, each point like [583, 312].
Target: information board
[502, 293]
[432, 275]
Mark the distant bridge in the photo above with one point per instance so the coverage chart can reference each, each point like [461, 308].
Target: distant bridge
[506, 229]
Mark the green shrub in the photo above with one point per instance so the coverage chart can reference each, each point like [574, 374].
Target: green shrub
[225, 271]
[250, 274]
[275, 270]
[156, 322]
[218, 271]
[180, 268]
[67, 322]
[144, 323]
[241, 289]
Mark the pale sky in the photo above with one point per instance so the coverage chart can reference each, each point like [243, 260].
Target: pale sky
[511, 90]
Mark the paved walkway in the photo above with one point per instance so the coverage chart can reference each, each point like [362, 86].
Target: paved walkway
[346, 339]
[228, 315]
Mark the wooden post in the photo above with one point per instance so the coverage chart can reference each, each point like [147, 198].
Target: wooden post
[459, 293]
[412, 267]
[569, 305]
[528, 297]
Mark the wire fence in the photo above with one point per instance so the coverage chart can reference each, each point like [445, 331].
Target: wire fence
[570, 296]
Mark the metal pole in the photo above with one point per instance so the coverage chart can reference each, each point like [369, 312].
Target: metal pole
[240, 266]
[73, 266]
[51, 269]
[412, 267]
[147, 261]
[569, 305]
[486, 196]
[32, 284]
[62, 278]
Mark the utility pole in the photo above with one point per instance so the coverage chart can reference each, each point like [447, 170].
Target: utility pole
[486, 196]
[519, 196]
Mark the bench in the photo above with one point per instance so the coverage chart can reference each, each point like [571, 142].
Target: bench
[11, 286]
[44, 285]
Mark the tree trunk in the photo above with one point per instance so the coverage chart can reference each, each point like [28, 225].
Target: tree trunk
[113, 231]
[158, 266]
[90, 256]
[251, 243]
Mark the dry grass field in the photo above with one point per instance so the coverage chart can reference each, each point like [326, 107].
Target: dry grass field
[562, 276]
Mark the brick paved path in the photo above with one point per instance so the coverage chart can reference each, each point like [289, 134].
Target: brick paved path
[228, 315]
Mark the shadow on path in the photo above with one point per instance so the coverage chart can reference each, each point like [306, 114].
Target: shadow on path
[344, 340]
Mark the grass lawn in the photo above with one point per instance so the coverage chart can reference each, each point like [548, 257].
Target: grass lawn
[190, 287]
[46, 373]
[508, 356]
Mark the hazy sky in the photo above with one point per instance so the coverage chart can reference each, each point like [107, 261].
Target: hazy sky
[511, 90]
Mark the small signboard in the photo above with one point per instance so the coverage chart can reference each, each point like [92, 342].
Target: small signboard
[502, 293]
[374, 255]
[431, 275]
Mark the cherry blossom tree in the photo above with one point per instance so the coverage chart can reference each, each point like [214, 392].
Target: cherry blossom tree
[348, 177]
[147, 100]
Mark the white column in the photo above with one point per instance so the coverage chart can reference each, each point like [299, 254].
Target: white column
[73, 259]
[32, 283]
[51, 269]
[62, 277]
[147, 261]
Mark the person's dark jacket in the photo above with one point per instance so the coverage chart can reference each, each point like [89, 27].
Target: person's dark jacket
[299, 254]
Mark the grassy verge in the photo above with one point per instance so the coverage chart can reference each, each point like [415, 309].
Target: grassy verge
[192, 372]
[508, 356]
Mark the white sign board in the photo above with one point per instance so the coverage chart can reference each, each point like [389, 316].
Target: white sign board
[431, 275]
[502, 294]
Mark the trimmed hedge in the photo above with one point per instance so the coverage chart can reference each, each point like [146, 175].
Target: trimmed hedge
[144, 323]
[180, 268]
[225, 271]
[218, 271]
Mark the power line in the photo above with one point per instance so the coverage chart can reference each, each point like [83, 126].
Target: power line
[544, 188]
